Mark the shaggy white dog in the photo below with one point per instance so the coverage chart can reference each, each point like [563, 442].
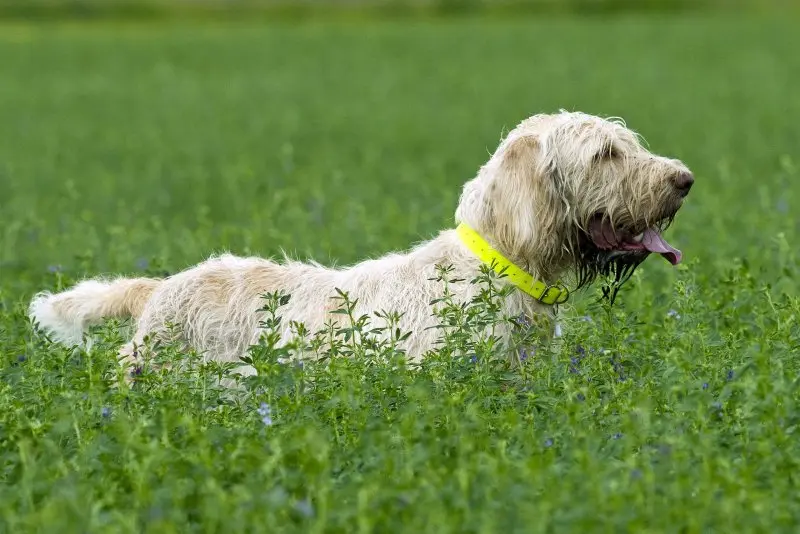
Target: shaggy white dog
[564, 195]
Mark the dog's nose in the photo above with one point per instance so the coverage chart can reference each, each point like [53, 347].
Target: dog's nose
[683, 182]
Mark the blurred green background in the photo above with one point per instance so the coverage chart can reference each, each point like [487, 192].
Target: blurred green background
[238, 8]
[131, 142]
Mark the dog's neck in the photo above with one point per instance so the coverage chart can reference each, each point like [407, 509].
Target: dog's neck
[448, 249]
[530, 261]
[543, 291]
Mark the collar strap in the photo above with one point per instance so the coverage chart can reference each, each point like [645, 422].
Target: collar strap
[544, 293]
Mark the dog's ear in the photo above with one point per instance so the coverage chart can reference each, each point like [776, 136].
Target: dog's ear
[524, 197]
[474, 207]
[514, 200]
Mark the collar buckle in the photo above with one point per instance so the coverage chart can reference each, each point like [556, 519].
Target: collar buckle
[560, 298]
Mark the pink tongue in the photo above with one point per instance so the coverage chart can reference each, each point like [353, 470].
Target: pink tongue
[652, 241]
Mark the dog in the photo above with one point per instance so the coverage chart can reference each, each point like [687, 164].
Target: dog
[565, 195]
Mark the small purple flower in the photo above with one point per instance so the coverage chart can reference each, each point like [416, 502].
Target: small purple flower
[575, 361]
[142, 264]
[730, 374]
[523, 353]
[105, 412]
[21, 358]
[473, 359]
[636, 474]
[618, 435]
[782, 206]
[581, 397]
[266, 414]
[53, 268]
[674, 314]
[618, 368]
[548, 442]
[705, 385]
[305, 508]
[523, 320]
[587, 319]
[136, 371]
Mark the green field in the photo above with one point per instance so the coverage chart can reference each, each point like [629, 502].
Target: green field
[145, 147]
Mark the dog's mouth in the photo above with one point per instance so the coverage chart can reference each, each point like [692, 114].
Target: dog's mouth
[607, 238]
[616, 252]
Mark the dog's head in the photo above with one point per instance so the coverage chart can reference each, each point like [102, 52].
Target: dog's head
[574, 190]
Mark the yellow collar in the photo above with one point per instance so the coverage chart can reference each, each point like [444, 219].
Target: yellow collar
[546, 294]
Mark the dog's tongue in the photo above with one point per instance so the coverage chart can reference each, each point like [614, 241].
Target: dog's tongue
[652, 241]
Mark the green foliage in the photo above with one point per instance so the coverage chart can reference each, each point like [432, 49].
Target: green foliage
[142, 149]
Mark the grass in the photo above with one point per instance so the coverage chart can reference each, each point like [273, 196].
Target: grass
[143, 148]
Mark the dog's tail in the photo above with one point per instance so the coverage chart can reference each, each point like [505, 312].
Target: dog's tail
[67, 315]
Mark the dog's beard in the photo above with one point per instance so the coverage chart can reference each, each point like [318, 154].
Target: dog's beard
[614, 268]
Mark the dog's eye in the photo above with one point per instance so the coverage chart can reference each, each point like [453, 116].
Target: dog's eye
[606, 153]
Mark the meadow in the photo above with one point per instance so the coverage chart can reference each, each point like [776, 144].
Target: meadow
[144, 147]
